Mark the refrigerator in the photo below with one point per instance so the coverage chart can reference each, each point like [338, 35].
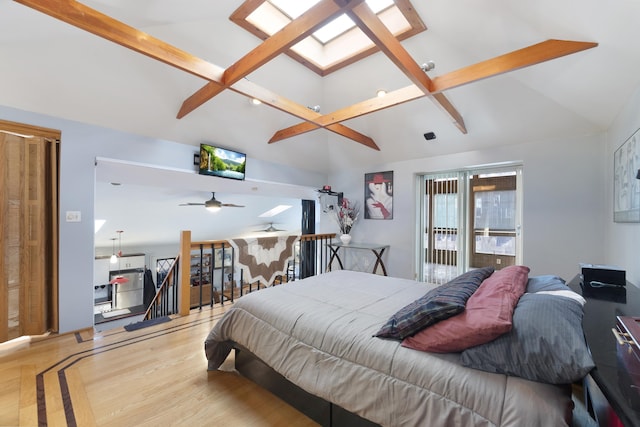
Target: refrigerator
[131, 293]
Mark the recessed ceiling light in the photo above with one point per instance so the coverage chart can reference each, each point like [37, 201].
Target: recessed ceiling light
[255, 101]
[381, 93]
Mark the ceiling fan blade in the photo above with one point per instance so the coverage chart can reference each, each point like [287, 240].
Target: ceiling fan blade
[231, 205]
[525, 57]
[191, 204]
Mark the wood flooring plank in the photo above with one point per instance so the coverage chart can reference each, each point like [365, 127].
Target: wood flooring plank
[149, 377]
[28, 405]
[82, 407]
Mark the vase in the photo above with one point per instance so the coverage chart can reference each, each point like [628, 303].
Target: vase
[345, 238]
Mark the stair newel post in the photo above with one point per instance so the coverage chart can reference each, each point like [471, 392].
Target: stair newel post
[184, 284]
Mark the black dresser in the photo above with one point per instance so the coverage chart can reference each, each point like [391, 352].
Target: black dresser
[610, 387]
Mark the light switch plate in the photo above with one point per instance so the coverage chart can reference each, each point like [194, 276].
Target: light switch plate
[73, 216]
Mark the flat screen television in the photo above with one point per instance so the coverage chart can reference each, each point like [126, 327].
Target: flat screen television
[221, 162]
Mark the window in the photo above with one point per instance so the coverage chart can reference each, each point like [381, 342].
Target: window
[336, 45]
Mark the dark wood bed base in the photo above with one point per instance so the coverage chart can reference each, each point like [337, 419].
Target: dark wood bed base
[321, 411]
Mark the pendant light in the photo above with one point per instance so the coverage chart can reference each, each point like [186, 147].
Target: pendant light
[113, 258]
[119, 279]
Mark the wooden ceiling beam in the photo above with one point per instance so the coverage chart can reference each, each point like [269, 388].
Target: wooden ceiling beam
[521, 58]
[531, 55]
[375, 29]
[391, 99]
[252, 90]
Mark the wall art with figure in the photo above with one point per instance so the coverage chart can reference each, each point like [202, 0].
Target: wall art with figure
[626, 187]
[378, 195]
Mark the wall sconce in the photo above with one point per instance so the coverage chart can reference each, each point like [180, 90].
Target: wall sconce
[638, 174]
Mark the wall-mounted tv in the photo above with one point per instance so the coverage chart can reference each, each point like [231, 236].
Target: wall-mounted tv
[222, 162]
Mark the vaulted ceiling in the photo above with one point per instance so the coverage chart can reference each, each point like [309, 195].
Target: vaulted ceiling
[52, 67]
[580, 92]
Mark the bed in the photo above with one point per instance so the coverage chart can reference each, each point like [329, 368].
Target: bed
[320, 334]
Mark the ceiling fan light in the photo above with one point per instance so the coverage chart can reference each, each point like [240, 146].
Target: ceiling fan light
[213, 208]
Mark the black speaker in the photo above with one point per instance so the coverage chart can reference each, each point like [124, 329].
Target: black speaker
[429, 136]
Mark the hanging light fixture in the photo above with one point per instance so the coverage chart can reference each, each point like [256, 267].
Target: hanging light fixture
[113, 258]
[119, 279]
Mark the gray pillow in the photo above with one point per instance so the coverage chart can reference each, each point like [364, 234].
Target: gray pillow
[437, 304]
[546, 343]
[546, 282]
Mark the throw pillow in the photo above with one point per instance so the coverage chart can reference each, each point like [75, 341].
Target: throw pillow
[547, 282]
[487, 315]
[437, 304]
[546, 343]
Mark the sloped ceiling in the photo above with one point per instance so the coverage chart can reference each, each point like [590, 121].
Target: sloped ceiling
[48, 66]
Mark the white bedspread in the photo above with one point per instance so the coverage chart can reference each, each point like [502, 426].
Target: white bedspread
[318, 333]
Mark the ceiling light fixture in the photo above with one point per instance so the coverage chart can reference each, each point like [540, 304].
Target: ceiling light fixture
[428, 66]
[213, 205]
[119, 279]
[315, 108]
[113, 258]
[380, 93]
[255, 101]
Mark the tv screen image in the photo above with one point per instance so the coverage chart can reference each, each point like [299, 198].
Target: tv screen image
[222, 162]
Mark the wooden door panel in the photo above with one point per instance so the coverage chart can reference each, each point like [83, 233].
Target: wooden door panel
[28, 230]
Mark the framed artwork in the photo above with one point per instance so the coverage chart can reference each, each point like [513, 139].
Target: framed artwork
[378, 195]
[626, 185]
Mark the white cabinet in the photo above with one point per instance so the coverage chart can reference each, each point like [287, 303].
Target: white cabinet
[101, 267]
[127, 262]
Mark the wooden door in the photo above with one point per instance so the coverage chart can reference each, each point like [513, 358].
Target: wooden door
[28, 230]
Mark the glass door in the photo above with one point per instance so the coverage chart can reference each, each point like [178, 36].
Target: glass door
[470, 219]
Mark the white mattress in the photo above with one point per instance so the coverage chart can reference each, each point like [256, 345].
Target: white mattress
[318, 333]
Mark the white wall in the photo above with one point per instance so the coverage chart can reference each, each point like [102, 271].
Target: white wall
[622, 239]
[563, 203]
[81, 144]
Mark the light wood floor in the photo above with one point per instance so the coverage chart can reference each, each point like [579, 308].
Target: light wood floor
[155, 376]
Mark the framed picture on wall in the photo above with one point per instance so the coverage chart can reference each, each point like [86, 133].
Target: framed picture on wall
[626, 185]
[378, 195]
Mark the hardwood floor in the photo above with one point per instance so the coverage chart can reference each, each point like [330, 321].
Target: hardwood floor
[152, 376]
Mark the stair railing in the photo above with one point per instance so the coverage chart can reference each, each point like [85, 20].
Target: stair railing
[175, 293]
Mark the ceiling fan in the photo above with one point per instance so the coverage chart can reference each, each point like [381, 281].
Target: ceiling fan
[212, 204]
[270, 229]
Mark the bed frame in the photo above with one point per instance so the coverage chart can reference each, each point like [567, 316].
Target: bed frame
[321, 411]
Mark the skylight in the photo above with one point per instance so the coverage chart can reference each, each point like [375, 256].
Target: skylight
[339, 42]
[274, 211]
[295, 8]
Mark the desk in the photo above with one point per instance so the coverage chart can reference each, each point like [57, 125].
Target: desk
[378, 251]
[609, 375]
